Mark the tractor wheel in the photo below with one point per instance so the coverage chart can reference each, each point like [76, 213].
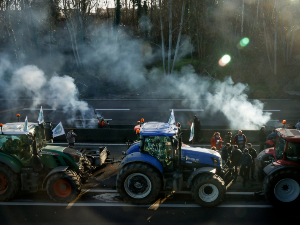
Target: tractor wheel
[208, 190]
[138, 183]
[64, 187]
[9, 183]
[282, 188]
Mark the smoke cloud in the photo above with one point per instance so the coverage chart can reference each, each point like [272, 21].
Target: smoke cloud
[116, 57]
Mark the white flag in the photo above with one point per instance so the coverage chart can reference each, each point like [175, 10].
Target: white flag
[58, 130]
[172, 118]
[41, 116]
[25, 128]
[192, 132]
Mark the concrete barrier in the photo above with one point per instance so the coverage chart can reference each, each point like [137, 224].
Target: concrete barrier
[123, 135]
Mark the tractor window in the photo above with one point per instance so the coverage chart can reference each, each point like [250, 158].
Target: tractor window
[293, 151]
[17, 146]
[279, 148]
[160, 147]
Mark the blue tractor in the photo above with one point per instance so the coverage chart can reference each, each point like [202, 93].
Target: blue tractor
[160, 162]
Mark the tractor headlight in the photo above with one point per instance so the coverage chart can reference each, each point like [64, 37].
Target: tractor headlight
[215, 161]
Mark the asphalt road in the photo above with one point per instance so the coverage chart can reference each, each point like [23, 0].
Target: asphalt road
[99, 203]
[128, 111]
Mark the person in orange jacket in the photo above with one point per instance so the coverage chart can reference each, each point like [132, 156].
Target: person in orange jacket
[216, 141]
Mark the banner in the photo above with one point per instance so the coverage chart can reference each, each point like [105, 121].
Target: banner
[41, 116]
[58, 130]
[172, 118]
[192, 132]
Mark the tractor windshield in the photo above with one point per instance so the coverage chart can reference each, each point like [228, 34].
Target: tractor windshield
[159, 147]
[279, 147]
[18, 146]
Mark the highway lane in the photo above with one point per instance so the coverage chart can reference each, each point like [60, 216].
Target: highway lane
[122, 111]
[107, 208]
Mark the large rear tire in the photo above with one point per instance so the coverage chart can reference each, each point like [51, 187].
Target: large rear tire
[138, 183]
[208, 190]
[9, 183]
[64, 187]
[282, 188]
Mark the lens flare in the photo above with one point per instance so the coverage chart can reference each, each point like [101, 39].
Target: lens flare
[224, 60]
[245, 41]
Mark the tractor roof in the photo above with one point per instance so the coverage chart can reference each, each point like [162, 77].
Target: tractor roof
[17, 128]
[158, 129]
[290, 134]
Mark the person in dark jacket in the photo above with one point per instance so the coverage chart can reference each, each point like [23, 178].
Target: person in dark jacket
[71, 138]
[245, 163]
[235, 159]
[253, 154]
[225, 152]
[228, 139]
[197, 130]
[272, 136]
[240, 140]
[262, 136]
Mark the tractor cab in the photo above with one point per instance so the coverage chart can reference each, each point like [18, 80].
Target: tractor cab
[287, 147]
[19, 144]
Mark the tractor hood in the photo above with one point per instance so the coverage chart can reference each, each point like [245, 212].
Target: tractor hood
[198, 157]
[59, 150]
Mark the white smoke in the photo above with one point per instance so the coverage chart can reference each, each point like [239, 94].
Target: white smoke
[119, 59]
[225, 97]
[59, 92]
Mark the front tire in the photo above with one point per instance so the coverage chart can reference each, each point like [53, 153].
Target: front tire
[64, 187]
[208, 190]
[9, 183]
[282, 188]
[138, 183]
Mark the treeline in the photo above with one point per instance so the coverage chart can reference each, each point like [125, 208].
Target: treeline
[199, 30]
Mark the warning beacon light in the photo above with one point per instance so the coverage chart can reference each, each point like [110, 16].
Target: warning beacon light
[283, 121]
[18, 115]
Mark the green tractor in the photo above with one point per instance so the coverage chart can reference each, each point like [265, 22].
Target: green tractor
[27, 164]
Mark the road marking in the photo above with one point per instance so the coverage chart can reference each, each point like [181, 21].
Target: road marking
[124, 205]
[38, 109]
[275, 110]
[177, 192]
[112, 109]
[90, 119]
[187, 110]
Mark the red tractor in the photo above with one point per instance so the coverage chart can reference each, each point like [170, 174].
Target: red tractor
[282, 182]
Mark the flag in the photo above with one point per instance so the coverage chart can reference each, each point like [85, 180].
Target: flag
[25, 128]
[41, 116]
[172, 118]
[192, 132]
[58, 130]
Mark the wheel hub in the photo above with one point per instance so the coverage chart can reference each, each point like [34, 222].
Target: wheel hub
[62, 188]
[137, 185]
[208, 192]
[287, 190]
